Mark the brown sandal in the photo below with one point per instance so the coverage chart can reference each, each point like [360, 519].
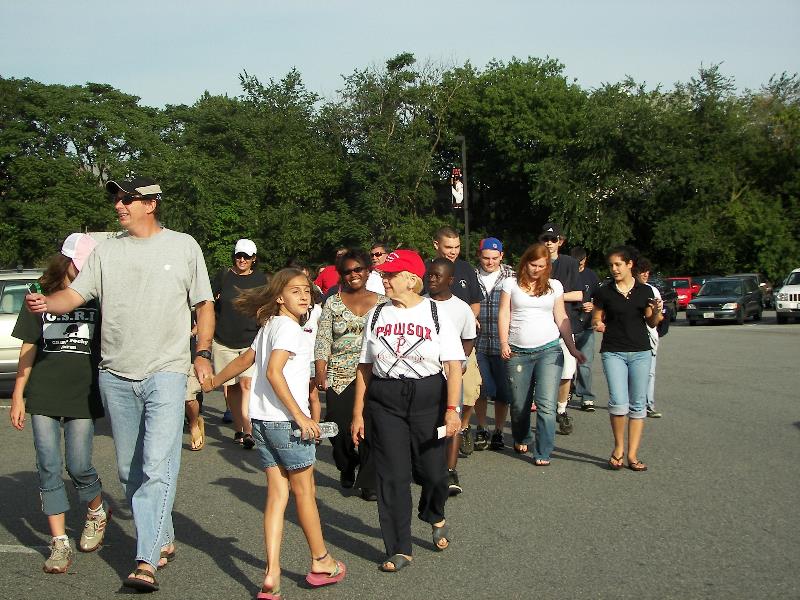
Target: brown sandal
[615, 463]
[637, 465]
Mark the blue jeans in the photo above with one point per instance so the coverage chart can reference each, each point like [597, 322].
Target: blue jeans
[651, 385]
[147, 424]
[583, 381]
[493, 375]
[78, 439]
[628, 374]
[542, 371]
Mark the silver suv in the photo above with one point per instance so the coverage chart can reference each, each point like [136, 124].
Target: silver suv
[787, 303]
[12, 299]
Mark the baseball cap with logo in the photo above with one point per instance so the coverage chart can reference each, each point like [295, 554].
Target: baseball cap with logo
[78, 247]
[550, 229]
[142, 186]
[403, 260]
[246, 247]
[491, 244]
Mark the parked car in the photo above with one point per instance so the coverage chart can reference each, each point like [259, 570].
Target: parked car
[684, 287]
[668, 295]
[700, 280]
[764, 285]
[726, 299]
[787, 299]
[12, 295]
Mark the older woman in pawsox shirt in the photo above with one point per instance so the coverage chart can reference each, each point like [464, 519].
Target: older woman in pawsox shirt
[401, 391]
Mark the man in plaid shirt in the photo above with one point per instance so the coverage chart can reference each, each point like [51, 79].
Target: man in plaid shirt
[491, 274]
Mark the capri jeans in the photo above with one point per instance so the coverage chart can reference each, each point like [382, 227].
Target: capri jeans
[540, 369]
[628, 375]
[78, 439]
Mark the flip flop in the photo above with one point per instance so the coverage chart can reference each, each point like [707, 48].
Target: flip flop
[518, 448]
[541, 462]
[316, 579]
[198, 445]
[270, 595]
[637, 465]
[615, 463]
[139, 584]
[170, 556]
[439, 534]
[398, 561]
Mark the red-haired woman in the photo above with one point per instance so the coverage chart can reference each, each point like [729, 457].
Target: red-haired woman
[531, 319]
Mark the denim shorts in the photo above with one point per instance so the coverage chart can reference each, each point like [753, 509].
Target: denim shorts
[277, 446]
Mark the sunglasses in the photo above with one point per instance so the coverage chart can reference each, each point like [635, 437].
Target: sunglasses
[127, 199]
[243, 256]
[548, 238]
[357, 270]
[376, 254]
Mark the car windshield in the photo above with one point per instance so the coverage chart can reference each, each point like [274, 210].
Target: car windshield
[793, 279]
[13, 297]
[721, 288]
[680, 283]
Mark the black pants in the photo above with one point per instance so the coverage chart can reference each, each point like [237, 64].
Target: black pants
[339, 409]
[404, 415]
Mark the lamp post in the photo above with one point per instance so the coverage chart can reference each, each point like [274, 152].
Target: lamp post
[462, 139]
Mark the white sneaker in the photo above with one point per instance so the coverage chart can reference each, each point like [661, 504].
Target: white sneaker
[60, 556]
[94, 530]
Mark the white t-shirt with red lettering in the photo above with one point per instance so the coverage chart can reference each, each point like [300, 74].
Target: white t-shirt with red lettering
[280, 333]
[404, 342]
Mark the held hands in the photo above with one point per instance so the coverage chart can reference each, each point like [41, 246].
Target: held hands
[207, 384]
[202, 368]
[36, 303]
[452, 422]
[505, 351]
[599, 326]
[580, 357]
[357, 429]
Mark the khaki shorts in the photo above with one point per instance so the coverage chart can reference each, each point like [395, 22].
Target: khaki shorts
[471, 381]
[570, 364]
[192, 387]
[222, 355]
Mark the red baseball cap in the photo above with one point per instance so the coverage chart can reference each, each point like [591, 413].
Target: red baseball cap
[403, 260]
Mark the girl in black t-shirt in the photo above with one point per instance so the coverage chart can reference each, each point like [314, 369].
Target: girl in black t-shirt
[623, 309]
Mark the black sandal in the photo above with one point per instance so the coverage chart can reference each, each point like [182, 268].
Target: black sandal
[141, 585]
[398, 562]
[439, 534]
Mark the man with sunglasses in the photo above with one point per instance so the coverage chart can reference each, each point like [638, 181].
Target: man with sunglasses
[145, 280]
[564, 269]
[378, 255]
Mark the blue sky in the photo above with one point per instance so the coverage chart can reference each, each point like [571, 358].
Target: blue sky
[170, 52]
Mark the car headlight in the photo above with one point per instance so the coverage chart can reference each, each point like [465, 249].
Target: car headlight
[730, 306]
[690, 305]
[782, 296]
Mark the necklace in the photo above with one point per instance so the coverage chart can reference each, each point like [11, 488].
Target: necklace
[626, 294]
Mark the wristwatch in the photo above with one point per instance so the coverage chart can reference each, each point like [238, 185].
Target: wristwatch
[204, 354]
[457, 409]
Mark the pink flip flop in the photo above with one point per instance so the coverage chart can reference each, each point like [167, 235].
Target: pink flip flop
[320, 579]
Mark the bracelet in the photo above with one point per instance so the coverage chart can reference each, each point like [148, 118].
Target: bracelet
[454, 408]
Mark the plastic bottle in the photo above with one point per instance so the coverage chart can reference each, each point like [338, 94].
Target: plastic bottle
[327, 429]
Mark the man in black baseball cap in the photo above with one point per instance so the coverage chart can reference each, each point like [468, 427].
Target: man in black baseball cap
[138, 186]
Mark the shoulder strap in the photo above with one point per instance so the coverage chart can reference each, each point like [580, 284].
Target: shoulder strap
[435, 315]
[377, 312]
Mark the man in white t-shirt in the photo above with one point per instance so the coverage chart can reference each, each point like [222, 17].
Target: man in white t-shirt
[378, 255]
[440, 278]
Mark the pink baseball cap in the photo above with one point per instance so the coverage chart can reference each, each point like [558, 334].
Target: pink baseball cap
[78, 247]
[403, 260]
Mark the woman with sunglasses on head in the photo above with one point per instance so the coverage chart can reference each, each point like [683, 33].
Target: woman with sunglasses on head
[234, 332]
[623, 309]
[338, 346]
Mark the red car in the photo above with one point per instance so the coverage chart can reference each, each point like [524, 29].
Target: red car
[685, 288]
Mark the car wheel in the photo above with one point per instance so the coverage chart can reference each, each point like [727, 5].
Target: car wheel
[692, 322]
[673, 316]
[782, 319]
[740, 317]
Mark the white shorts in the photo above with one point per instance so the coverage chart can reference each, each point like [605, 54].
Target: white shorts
[222, 355]
[570, 364]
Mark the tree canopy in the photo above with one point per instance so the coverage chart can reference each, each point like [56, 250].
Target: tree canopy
[700, 177]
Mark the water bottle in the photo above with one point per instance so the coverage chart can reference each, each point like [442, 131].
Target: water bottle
[327, 429]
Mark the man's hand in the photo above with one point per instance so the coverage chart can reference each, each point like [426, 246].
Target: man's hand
[36, 303]
[202, 367]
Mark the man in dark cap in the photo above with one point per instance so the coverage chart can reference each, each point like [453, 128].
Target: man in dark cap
[145, 280]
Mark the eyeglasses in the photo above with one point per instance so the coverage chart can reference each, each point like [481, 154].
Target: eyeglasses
[548, 238]
[243, 256]
[376, 254]
[357, 270]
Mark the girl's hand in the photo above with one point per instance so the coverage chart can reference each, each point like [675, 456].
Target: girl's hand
[207, 384]
[505, 351]
[452, 423]
[357, 429]
[580, 357]
[17, 413]
[309, 428]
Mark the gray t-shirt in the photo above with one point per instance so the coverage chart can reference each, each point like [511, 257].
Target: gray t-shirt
[145, 287]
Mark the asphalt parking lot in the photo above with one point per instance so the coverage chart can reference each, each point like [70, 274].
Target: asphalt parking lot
[715, 516]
